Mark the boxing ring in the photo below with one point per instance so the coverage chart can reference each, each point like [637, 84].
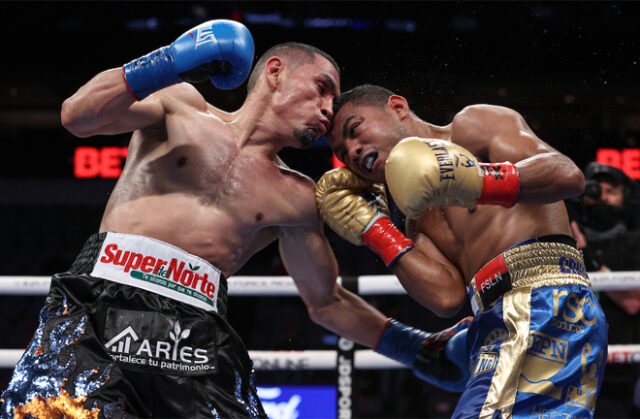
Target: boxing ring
[345, 359]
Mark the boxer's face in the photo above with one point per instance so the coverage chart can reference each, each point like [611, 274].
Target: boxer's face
[305, 100]
[362, 137]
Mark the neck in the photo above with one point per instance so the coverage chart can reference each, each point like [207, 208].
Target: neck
[255, 128]
[424, 129]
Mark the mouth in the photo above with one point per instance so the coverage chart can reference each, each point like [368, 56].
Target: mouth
[369, 160]
[325, 127]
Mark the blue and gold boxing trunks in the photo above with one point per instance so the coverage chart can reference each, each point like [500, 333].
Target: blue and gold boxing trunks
[136, 328]
[538, 343]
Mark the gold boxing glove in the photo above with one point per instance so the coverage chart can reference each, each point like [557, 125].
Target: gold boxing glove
[426, 173]
[357, 210]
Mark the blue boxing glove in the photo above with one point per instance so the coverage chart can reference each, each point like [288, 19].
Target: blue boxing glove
[219, 50]
[438, 358]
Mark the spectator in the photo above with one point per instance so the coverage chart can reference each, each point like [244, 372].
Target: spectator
[603, 225]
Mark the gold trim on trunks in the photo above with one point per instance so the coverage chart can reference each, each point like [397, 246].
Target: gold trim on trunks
[539, 264]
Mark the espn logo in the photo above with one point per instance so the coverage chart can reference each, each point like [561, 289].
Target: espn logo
[548, 347]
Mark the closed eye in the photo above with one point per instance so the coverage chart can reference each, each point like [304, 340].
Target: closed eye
[352, 129]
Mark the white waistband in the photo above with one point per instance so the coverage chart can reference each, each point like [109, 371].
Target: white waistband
[158, 267]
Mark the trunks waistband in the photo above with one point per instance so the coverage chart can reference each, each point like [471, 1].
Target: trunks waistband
[537, 262]
[154, 266]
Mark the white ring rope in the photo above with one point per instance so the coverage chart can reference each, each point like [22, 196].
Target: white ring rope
[323, 359]
[364, 359]
[284, 285]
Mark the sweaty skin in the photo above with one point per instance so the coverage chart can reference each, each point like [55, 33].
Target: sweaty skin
[452, 244]
[210, 182]
[190, 184]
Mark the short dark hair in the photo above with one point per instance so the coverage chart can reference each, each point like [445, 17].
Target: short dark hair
[295, 53]
[365, 94]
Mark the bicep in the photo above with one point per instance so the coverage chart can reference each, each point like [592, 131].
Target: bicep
[495, 134]
[428, 251]
[152, 110]
[104, 105]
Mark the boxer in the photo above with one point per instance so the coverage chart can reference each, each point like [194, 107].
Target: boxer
[137, 326]
[482, 196]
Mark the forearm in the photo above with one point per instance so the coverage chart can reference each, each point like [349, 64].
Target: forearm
[549, 177]
[311, 263]
[430, 283]
[96, 104]
[348, 315]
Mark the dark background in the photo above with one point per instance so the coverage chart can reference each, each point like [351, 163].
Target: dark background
[570, 68]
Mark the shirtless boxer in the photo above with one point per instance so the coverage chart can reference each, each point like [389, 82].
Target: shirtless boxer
[538, 343]
[137, 326]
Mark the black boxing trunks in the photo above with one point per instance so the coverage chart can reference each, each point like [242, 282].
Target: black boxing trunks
[538, 342]
[136, 328]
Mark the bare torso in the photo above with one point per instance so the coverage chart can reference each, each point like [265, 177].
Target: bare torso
[470, 238]
[190, 182]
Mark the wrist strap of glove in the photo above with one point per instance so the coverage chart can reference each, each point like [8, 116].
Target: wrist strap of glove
[400, 342]
[384, 238]
[150, 73]
[500, 184]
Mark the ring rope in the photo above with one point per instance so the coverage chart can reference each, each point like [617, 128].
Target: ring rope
[284, 285]
[324, 359]
[364, 359]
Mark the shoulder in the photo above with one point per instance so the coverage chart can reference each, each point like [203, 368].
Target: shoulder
[476, 126]
[180, 96]
[482, 114]
[299, 182]
[300, 191]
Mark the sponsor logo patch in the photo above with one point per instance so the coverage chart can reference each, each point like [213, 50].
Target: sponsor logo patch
[570, 266]
[486, 363]
[548, 347]
[569, 307]
[158, 267]
[493, 281]
[153, 341]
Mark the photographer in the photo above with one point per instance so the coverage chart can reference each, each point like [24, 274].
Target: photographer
[604, 225]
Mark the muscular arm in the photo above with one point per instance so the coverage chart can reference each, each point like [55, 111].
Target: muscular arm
[430, 278]
[310, 261]
[104, 106]
[496, 134]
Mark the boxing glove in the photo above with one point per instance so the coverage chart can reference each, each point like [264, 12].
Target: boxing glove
[426, 173]
[439, 358]
[357, 210]
[218, 50]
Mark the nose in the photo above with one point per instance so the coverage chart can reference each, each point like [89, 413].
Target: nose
[327, 108]
[354, 149]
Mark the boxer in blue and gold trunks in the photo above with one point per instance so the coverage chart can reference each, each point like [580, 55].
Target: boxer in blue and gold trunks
[485, 220]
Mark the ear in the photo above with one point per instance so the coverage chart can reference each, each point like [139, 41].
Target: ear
[273, 70]
[399, 106]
